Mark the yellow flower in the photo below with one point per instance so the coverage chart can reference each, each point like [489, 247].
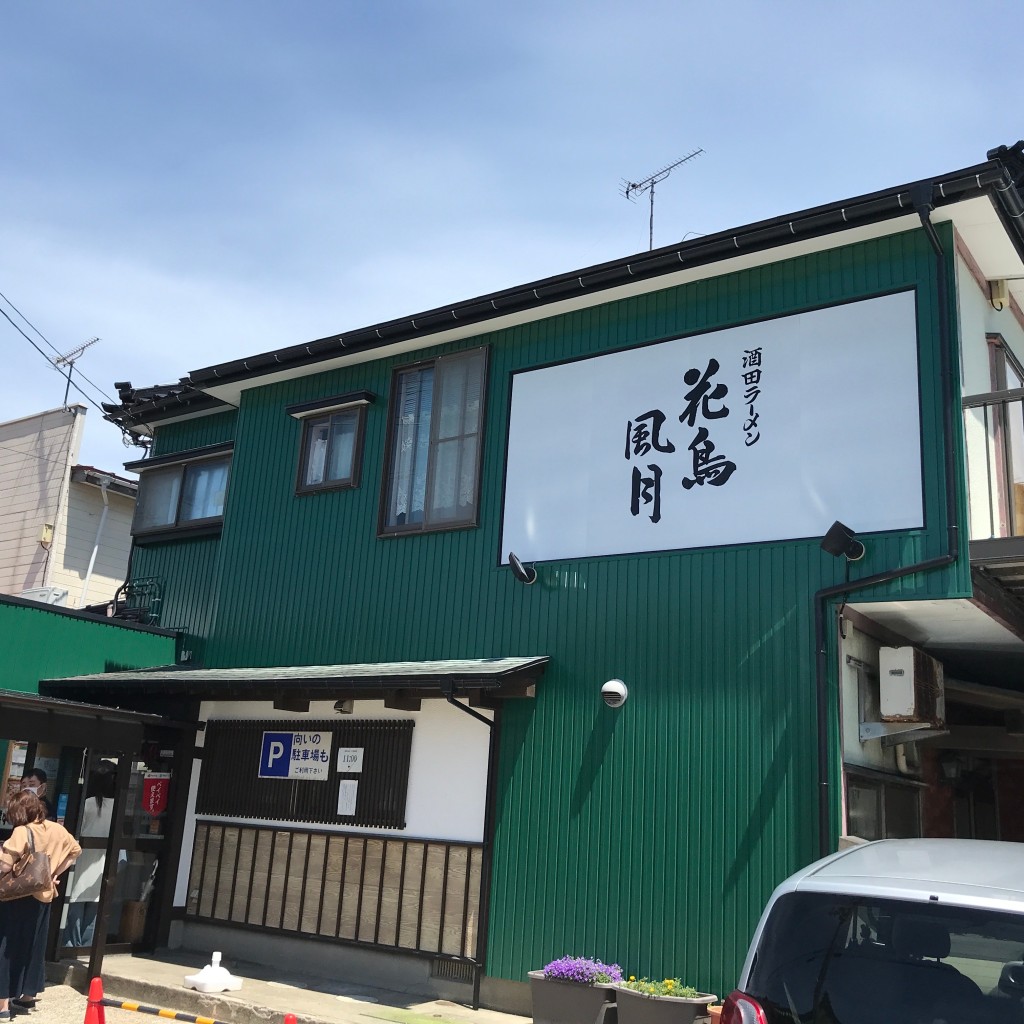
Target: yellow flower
[669, 982]
[632, 977]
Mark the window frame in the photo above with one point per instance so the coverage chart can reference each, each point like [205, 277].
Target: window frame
[406, 529]
[310, 413]
[182, 462]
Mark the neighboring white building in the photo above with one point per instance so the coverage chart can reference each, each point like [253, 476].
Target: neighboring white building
[65, 529]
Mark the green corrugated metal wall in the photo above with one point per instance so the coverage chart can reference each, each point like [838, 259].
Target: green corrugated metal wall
[649, 835]
[188, 570]
[42, 643]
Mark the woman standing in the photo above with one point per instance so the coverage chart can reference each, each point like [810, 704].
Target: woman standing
[24, 922]
[83, 891]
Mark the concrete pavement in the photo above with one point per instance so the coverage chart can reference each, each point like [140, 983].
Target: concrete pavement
[266, 996]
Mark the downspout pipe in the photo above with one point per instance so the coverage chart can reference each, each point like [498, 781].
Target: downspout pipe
[923, 205]
[96, 543]
[469, 711]
[448, 689]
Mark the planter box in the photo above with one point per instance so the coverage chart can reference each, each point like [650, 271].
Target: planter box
[569, 1002]
[637, 1008]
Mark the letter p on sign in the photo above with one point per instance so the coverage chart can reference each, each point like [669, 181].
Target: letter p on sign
[276, 755]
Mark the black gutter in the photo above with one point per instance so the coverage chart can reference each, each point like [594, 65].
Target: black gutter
[923, 201]
[990, 178]
[766, 234]
[1009, 204]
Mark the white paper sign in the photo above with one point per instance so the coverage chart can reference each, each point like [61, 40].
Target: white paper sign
[767, 431]
[347, 797]
[350, 759]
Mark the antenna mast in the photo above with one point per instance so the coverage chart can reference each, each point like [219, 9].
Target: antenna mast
[68, 360]
[632, 189]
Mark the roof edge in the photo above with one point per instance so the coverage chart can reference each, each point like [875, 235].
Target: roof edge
[1000, 177]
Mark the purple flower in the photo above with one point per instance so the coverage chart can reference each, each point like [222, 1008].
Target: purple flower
[583, 970]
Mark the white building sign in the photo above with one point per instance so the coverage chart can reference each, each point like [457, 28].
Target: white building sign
[767, 431]
[347, 790]
[350, 759]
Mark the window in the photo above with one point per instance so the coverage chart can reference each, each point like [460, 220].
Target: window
[878, 809]
[329, 451]
[332, 438]
[843, 956]
[433, 475]
[178, 492]
[1007, 427]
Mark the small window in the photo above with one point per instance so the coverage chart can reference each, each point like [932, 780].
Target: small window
[332, 441]
[181, 496]
[329, 450]
[433, 475]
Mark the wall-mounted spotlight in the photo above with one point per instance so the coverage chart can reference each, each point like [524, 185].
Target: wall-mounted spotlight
[841, 541]
[344, 707]
[524, 573]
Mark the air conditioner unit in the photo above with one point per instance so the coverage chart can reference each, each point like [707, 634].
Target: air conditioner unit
[46, 595]
[911, 687]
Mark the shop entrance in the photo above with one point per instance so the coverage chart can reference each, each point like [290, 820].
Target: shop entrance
[112, 781]
[134, 830]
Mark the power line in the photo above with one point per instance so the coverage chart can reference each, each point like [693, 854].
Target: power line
[88, 398]
[50, 343]
[31, 455]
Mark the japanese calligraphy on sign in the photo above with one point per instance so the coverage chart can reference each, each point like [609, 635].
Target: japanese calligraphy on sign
[295, 755]
[723, 438]
[704, 401]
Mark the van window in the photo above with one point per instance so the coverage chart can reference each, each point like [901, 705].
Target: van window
[842, 960]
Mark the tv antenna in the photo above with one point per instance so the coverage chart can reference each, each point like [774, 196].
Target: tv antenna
[68, 360]
[633, 189]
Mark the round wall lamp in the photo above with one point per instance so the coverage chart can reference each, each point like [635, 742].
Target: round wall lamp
[524, 573]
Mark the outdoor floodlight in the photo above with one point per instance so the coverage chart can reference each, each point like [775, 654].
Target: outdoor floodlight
[524, 573]
[841, 541]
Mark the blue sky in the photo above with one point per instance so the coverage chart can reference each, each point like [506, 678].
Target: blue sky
[198, 181]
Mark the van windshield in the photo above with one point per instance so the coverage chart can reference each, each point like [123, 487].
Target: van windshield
[828, 959]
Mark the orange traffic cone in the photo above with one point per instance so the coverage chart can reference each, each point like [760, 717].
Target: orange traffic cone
[95, 1012]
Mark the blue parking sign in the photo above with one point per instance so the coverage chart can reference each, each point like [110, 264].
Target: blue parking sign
[276, 755]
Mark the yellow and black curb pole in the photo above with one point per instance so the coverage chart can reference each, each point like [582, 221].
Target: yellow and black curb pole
[94, 1011]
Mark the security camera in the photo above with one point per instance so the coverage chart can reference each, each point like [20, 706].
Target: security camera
[614, 693]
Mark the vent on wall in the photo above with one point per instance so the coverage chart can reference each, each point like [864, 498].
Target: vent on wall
[453, 970]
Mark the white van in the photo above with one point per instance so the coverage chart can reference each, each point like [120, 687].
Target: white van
[909, 931]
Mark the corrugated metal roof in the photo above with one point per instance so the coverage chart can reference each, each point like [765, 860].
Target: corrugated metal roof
[16, 699]
[466, 673]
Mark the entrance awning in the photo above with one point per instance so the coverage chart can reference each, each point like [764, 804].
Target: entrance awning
[72, 724]
[480, 679]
